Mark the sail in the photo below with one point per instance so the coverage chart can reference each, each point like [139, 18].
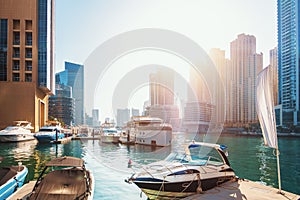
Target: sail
[265, 106]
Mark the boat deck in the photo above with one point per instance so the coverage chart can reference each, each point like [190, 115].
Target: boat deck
[242, 190]
[21, 192]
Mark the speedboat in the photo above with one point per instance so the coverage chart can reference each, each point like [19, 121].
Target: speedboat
[20, 131]
[109, 133]
[11, 178]
[150, 131]
[202, 166]
[50, 132]
[73, 181]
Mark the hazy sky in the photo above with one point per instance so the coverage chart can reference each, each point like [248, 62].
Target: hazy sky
[81, 26]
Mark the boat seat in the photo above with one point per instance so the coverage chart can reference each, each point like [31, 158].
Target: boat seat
[6, 173]
[61, 185]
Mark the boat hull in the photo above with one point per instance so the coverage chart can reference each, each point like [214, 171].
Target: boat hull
[109, 138]
[16, 137]
[9, 187]
[46, 138]
[166, 190]
[154, 137]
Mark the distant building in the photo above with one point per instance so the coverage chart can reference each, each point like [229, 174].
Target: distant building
[73, 76]
[123, 116]
[162, 87]
[95, 113]
[274, 65]
[135, 112]
[26, 60]
[62, 105]
[245, 66]
[288, 13]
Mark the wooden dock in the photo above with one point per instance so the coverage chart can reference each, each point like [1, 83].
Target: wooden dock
[23, 191]
[244, 190]
[62, 141]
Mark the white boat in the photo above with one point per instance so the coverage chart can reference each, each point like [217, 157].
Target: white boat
[20, 131]
[150, 131]
[50, 132]
[68, 179]
[127, 137]
[202, 166]
[109, 133]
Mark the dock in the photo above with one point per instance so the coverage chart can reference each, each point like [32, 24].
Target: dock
[62, 141]
[86, 138]
[23, 191]
[243, 190]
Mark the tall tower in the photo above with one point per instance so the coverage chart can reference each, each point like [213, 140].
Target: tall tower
[26, 60]
[274, 65]
[288, 59]
[245, 64]
[73, 76]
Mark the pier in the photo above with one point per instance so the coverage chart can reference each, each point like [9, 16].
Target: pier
[243, 189]
[62, 141]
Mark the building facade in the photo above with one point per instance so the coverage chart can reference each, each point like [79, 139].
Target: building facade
[62, 105]
[288, 12]
[274, 65]
[26, 60]
[123, 116]
[73, 76]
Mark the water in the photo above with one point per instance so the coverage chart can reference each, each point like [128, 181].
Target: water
[109, 162]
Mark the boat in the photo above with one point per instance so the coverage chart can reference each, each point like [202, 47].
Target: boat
[109, 133]
[11, 178]
[202, 166]
[150, 131]
[71, 180]
[127, 137]
[20, 131]
[49, 133]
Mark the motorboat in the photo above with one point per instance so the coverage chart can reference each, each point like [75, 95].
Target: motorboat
[109, 133]
[150, 131]
[11, 178]
[127, 137]
[20, 131]
[202, 166]
[49, 133]
[69, 179]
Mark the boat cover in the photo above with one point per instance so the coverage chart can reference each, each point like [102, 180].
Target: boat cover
[66, 161]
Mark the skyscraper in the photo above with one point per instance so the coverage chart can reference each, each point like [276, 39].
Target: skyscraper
[274, 65]
[245, 65]
[73, 76]
[26, 60]
[288, 59]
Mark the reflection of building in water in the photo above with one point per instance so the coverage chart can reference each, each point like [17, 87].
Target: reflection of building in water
[23, 150]
[162, 98]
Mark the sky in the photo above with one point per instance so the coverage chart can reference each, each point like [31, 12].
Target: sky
[82, 26]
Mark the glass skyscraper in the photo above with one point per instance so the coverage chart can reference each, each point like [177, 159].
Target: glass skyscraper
[288, 59]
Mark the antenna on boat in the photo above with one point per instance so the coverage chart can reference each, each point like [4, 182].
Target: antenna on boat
[266, 114]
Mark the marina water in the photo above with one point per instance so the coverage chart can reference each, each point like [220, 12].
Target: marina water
[109, 162]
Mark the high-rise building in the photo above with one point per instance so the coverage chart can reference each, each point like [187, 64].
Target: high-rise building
[245, 66]
[95, 113]
[135, 112]
[73, 76]
[162, 87]
[123, 116]
[62, 105]
[289, 59]
[26, 60]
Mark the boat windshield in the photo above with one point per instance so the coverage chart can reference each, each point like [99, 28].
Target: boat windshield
[177, 157]
[11, 128]
[204, 155]
[47, 129]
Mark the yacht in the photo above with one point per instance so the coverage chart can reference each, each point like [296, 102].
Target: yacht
[50, 132]
[109, 133]
[200, 167]
[20, 131]
[150, 131]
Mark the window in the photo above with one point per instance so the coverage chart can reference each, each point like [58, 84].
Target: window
[16, 65]
[16, 77]
[28, 77]
[28, 53]
[16, 24]
[28, 66]
[16, 52]
[16, 39]
[28, 25]
[3, 49]
[28, 39]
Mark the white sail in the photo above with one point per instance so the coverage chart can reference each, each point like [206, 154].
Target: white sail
[265, 106]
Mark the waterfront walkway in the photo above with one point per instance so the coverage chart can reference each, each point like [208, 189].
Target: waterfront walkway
[243, 190]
